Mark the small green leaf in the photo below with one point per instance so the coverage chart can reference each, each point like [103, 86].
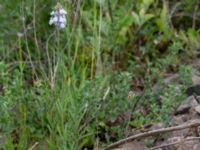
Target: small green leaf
[136, 18]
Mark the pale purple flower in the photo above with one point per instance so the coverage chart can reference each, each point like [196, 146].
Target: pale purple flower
[58, 17]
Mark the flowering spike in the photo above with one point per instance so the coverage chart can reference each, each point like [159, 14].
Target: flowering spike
[58, 17]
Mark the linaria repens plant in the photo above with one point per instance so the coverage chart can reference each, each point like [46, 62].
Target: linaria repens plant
[58, 17]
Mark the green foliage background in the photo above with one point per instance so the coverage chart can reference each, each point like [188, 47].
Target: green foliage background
[68, 89]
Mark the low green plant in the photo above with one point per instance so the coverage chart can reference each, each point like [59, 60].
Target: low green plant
[70, 88]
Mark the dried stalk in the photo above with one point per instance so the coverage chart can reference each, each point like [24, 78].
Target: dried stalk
[190, 124]
[177, 142]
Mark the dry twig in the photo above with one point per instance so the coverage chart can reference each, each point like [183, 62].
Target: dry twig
[190, 124]
[177, 142]
[32, 147]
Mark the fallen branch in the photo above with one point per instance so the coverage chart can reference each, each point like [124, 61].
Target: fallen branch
[177, 142]
[190, 124]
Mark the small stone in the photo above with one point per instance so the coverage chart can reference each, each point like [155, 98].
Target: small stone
[135, 145]
[186, 105]
[193, 90]
[195, 80]
[170, 78]
[157, 126]
[197, 109]
[197, 98]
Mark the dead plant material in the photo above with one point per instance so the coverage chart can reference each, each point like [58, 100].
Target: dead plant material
[177, 142]
[190, 124]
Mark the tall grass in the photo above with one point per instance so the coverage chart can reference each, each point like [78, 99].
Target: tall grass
[50, 111]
